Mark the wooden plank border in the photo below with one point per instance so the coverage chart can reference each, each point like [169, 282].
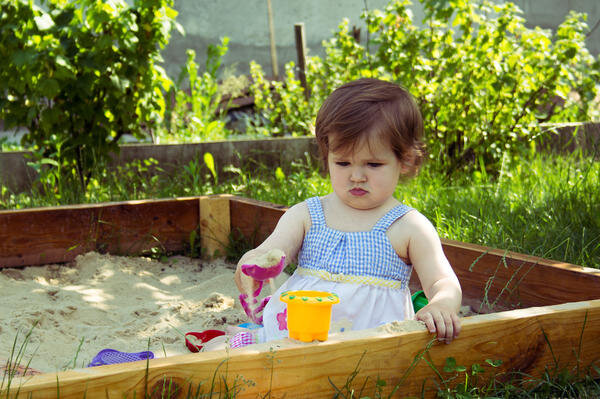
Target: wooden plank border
[39, 236]
[516, 280]
[527, 341]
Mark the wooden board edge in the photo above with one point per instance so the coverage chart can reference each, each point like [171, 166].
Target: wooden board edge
[38, 236]
[566, 336]
[480, 249]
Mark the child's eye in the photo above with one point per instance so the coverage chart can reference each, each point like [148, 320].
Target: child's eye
[342, 163]
[374, 164]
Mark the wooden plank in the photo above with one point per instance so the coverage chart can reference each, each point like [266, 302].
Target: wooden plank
[135, 226]
[58, 234]
[301, 55]
[513, 280]
[254, 219]
[45, 235]
[215, 224]
[529, 341]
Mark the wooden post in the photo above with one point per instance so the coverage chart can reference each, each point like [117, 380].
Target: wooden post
[214, 224]
[272, 41]
[301, 52]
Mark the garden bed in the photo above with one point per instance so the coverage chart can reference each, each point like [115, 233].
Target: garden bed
[554, 321]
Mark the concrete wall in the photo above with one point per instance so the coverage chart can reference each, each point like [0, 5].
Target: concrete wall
[245, 23]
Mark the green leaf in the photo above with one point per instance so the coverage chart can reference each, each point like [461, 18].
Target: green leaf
[570, 53]
[63, 62]
[64, 18]
[477, 369]
[451, 366]
[24, 57]
[493, 363]
[170, 12]
[209, 161]
[279, 175]
[49, 87]
[49, 161]
[44, 22]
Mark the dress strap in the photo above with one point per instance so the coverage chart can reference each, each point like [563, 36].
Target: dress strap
[393, 214]
[316, 211]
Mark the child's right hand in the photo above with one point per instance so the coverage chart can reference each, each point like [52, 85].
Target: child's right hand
[246, 284]
[264, 266]
[440, 320]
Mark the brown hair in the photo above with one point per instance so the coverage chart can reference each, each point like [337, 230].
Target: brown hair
[367, 108]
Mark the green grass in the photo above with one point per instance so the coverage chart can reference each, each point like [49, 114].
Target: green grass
[547, 206]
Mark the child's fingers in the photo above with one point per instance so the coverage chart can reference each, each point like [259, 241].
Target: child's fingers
[246, 285]
[446, 325]
[448, 329]
[451, 326]
[435, 323]
[457, 324]
[427, 318]
[442, 326]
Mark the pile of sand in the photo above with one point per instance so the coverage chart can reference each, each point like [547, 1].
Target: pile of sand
[122, 303]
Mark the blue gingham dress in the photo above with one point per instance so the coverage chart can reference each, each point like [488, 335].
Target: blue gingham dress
[361, 267]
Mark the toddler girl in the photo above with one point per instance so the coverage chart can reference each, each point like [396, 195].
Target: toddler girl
[359, 241]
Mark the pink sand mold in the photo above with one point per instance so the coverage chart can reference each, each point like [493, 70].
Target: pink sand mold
[112, 356]
[264, 273]
[260, 274]
[203, 336]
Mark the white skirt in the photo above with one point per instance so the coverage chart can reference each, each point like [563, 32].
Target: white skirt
[361, 306]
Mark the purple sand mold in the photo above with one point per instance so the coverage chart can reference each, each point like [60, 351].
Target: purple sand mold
[112, 356]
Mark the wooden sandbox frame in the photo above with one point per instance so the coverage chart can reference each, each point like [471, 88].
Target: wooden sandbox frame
[556, 324]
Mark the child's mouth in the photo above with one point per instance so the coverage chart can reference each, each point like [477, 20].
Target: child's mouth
[358, 192]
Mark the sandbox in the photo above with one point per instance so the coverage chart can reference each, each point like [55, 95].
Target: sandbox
[554, 321]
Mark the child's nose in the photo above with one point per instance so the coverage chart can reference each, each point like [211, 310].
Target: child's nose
[358, 174]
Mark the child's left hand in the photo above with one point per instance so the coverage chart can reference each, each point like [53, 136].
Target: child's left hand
[441, 320]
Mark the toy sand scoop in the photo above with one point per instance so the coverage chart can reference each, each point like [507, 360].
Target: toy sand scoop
[309, 314]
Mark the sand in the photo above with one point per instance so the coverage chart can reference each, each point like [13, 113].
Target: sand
[122, 303]
[100, 301]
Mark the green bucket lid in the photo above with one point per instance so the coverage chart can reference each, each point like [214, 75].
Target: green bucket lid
[419, 300]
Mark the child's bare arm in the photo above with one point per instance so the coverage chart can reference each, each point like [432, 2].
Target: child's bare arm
[437, 278]
[287, 236]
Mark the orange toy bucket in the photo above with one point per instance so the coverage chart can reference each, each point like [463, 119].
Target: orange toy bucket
[309, 314]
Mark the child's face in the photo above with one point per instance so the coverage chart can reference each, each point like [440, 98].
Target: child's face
[367, 177]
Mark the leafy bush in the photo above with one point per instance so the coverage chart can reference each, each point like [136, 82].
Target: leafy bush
[281, 104]
[196, 114]
[485, 83]
[79, 74]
